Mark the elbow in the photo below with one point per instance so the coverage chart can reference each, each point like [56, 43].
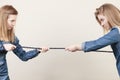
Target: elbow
[23, 59]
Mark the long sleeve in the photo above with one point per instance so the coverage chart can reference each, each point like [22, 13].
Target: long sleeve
[22, 54]
[110, 38]
[1, 46]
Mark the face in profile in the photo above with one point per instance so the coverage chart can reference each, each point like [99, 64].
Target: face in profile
[103, 21]
[11, 21]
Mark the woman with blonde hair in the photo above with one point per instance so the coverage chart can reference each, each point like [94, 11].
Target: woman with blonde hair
[108, 16]
[9, 42]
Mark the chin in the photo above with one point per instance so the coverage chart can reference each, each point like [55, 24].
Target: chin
[10, 28]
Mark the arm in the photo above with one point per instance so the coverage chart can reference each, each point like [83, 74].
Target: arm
[22, 54]
[110, 38]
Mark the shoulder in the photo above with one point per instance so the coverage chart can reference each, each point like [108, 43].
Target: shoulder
[16, 40]
[115, 30]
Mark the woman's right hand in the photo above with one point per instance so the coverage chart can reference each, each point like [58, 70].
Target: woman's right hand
[9, 47]
[73, 48]
[44, 49]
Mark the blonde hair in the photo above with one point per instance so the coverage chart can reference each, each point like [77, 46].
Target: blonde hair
[5, 34]
[112, 14]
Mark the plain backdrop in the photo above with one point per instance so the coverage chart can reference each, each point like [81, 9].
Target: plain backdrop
[60, 23]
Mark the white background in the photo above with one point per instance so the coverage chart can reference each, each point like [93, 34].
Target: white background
[60, 23]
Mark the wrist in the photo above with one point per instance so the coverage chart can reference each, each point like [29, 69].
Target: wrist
[78, 47]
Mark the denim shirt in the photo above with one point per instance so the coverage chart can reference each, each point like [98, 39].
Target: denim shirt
[22, 54]
[111, 38]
